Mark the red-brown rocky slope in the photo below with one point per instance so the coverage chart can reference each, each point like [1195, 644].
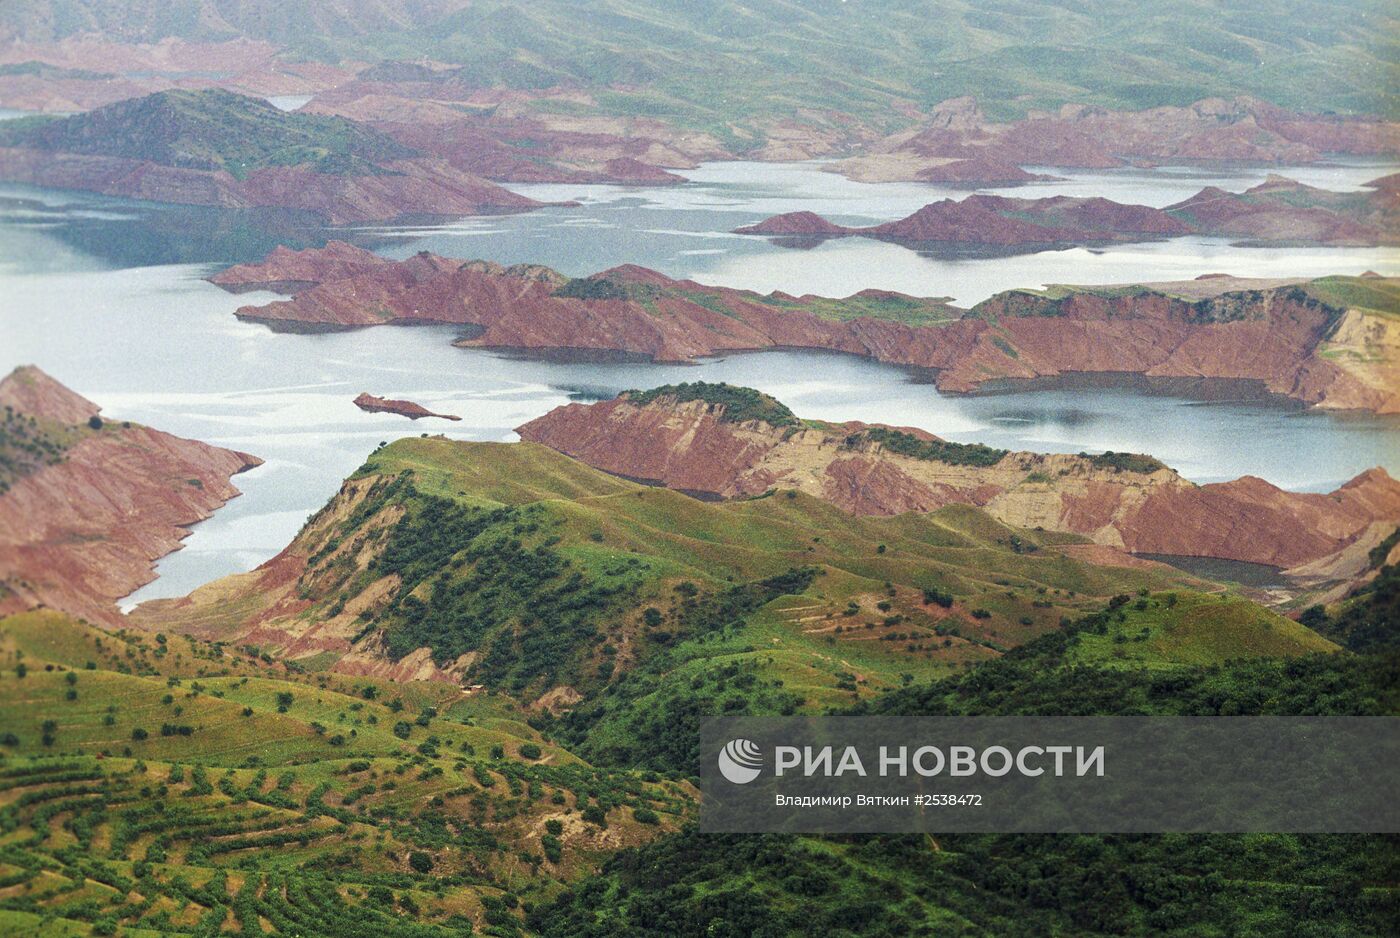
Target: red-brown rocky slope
[383, 405]
[1133, 503]
[1212, 130]
[407, 187]
[82, 528]
[1276, 210]
[1269, 331]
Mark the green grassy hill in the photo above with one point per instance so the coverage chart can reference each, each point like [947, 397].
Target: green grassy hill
[151, 783]
[177, 786]
[551, 574]
[1019, 886]
[1173, 629]
[210, 130]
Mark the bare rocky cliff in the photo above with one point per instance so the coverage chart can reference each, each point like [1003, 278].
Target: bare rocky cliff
[82, 527]
[1133, 503]
[1278, 333]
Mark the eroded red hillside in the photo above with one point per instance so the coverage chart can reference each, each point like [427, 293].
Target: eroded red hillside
[82, 528]
[1268, 331]
[1133, 503]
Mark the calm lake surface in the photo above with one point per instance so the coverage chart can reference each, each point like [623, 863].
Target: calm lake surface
[107, 295]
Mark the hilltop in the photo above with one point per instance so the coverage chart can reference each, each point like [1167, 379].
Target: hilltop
[214, 147]
[88, 504]
[711, 439]
[1331, 342]
[211, 130]
[514, 566]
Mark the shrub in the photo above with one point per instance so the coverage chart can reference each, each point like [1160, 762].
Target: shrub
[740, 404]
[420, 861]
[907, 444]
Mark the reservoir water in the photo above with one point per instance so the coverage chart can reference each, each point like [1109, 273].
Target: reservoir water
[107, 295]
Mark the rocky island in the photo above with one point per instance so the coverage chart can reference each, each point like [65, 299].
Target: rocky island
[382, 405]
[1278, 210]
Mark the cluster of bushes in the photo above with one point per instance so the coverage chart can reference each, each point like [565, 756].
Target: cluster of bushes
[26, 445]
[1010, 885]
[604, 288]
[526, 607]
[1125, 462]
[649, 719]
[907, 444]
[740, 404]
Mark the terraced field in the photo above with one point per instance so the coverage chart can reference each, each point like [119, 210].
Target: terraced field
[171, 785]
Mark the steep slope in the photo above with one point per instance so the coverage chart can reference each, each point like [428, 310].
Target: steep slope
[87, 505]
[219, 148]
[1329, 342]
[691, 437]
[513, 566]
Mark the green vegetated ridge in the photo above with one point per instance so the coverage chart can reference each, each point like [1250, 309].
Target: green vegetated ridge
[907, 444]
[1382, 296]
[552, 573]
[873, 304]
[739, 404]
[1021, 885]
[697, 62]
[211, 130]
[150, 781]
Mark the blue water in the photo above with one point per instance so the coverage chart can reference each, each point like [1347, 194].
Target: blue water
[107, 295]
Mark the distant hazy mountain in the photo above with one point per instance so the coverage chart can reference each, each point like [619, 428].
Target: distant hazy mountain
[752, 57]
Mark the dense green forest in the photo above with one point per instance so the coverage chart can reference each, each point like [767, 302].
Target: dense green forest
[1032, 885]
